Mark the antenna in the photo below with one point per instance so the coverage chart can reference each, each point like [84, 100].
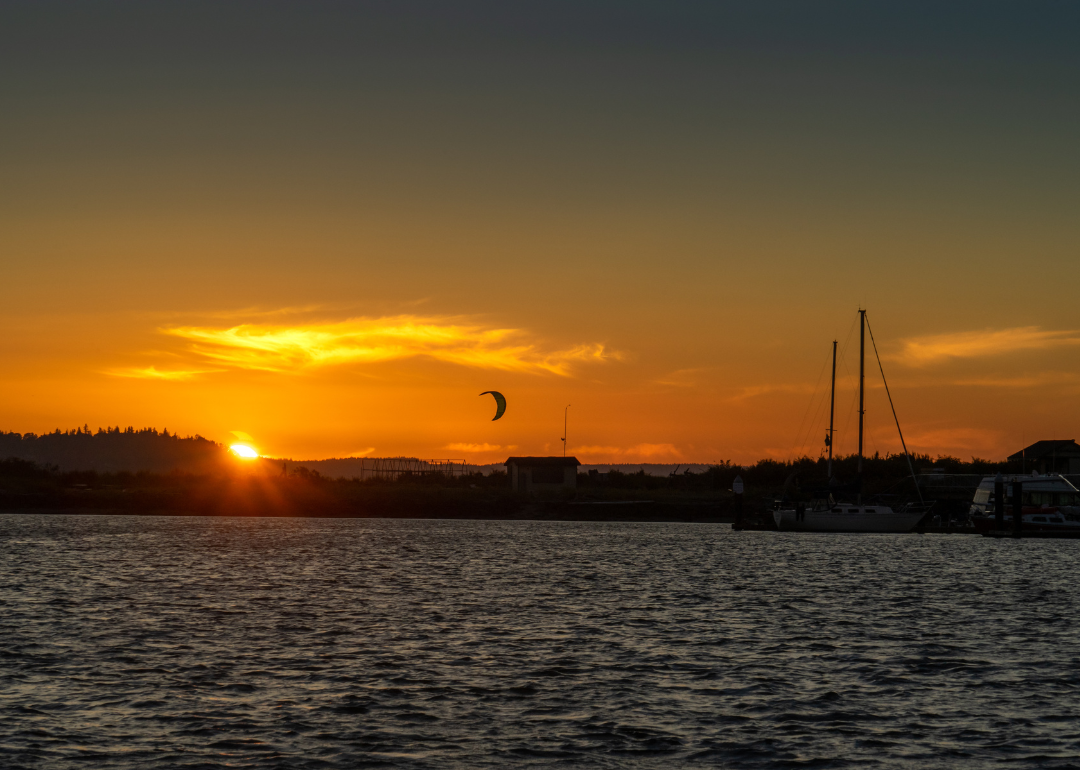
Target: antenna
[564, 412]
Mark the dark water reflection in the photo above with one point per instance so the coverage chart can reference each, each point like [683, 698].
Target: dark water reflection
[195, 642]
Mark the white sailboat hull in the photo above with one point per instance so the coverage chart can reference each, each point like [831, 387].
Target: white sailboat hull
[862, 519]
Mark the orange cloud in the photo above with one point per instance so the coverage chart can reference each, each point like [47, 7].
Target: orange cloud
[473, 448]
[284, 348]
[1031, 381]
[920, 351]
[754, 391]
[955, 439]
[153, 373]
[638, 452]
[681, 378]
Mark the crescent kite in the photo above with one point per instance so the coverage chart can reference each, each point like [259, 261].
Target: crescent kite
[500, 403]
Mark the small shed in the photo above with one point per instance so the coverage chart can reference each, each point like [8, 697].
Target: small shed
[1056, 456]
[538, 474]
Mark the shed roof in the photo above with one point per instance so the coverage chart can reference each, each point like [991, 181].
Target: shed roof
[1064, 447]
[534, 461]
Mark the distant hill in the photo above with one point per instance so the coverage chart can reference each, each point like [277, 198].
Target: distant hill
[111, 450]
[355, 467]
[651, 469]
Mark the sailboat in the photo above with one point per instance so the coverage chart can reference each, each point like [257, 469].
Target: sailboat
[827, 515]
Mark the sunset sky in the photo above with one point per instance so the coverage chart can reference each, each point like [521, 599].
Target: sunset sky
[333, 225]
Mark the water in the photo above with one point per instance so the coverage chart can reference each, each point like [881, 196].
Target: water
[130, 642]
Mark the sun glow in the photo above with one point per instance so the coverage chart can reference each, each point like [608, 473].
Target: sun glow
[244, 451]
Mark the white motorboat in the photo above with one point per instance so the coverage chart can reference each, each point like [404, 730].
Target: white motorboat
[1049, 506]
[1039, 493]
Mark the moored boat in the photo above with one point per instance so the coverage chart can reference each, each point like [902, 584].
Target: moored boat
[827, 515]
[848, 517]
[1050, 507]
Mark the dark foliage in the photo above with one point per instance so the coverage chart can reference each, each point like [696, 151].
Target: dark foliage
[879, 474]
[114, 450]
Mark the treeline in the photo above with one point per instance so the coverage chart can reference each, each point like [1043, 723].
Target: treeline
[879, 473]
[267, 488]
[28, 476]
[28, 487]
[115, 449]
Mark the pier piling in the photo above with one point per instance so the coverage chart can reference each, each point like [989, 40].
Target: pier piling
[999, 503]
[737, 488]
[1018, 508]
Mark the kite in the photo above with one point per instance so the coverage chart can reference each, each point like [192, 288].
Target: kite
[500, 403]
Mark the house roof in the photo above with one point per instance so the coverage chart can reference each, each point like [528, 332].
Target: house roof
[1065, 447]
[534, 461]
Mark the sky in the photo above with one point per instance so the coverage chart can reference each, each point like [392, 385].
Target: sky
[333, 225]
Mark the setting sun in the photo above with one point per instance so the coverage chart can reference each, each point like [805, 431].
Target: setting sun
[244, 451]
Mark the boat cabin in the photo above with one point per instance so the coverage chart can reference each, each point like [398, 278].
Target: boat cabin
[1051, 491]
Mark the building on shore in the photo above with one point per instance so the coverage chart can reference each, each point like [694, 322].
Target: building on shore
[542, 474]
[1057, 456]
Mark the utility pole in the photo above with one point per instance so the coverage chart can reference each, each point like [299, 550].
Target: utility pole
[567, 409]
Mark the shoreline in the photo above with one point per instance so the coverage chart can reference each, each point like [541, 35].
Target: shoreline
[553, 512]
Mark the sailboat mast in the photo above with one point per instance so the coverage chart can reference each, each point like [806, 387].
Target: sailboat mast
[564, 413]
[832, 406]
[862, 390]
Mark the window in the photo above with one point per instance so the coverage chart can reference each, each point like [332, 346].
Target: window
[852, 510]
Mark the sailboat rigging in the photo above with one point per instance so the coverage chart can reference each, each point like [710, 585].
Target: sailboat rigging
[825, 514]
[829, 439]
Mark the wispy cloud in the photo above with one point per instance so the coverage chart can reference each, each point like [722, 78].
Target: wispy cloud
[153, 373]
[1030, 381]
[681, 378]
[474, 448]
[637, 452]
[920, 351]
[754, 391]
[954, 439]
[300, 346]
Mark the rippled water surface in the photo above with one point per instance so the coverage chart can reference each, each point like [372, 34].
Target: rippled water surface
[202, 642]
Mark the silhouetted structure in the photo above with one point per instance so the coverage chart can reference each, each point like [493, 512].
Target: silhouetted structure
[539, 474]
[1056, 456]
